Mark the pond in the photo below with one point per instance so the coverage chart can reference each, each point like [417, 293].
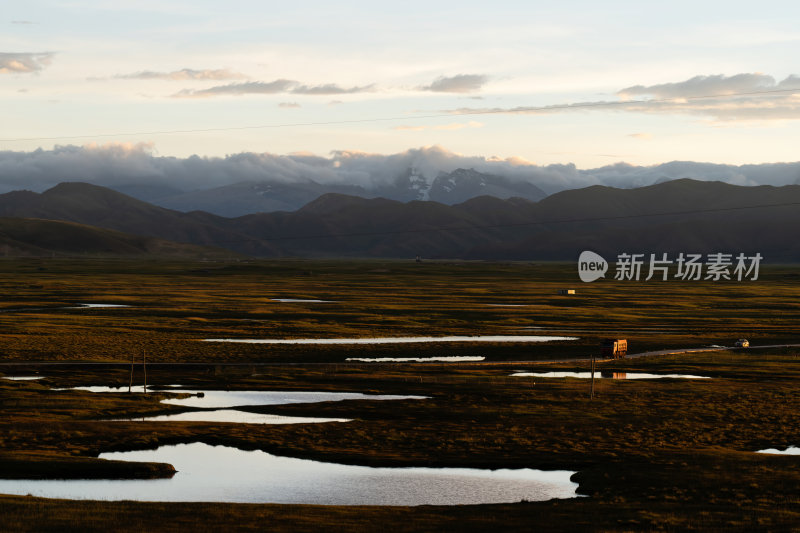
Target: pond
[224, 474]
[791, 450]
[233, 416]
[611, 375]
[403, 340]
[220, 399]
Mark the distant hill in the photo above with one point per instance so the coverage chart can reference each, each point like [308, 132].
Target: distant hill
[101, 207]
[251, 197]
[26, 237]
[676, 216]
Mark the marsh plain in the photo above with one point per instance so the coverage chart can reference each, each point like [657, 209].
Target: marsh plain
[667, 454]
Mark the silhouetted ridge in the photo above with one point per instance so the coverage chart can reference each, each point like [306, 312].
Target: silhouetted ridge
[671, 217]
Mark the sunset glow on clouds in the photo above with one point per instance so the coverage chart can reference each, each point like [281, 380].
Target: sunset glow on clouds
[577, 82]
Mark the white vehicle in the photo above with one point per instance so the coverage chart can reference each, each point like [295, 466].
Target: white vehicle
[742, 343]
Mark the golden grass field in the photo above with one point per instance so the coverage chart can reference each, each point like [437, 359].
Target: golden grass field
[667, 455]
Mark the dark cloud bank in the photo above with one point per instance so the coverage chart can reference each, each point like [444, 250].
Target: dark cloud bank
[119, 166]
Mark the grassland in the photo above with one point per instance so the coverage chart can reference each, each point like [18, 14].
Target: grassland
[650, 455]
[173, 305]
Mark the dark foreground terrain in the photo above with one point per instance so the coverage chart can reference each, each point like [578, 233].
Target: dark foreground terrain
[668, 454]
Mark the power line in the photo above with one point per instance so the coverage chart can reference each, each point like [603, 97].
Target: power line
[476, 112]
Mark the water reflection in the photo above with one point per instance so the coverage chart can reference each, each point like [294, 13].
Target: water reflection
[300, 300]
[234, 416]
[403, 340]
[95, 306]
[223, 474]
[218, 399]
[644, 375]
[22, 378]
[611, 375]
[103, 388]
[791, 450]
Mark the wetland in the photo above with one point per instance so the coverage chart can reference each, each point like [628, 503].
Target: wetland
[224, 474]
[652, 454]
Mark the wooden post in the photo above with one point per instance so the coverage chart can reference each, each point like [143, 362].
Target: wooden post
[130, 383]
[144, 367]
[592, 395]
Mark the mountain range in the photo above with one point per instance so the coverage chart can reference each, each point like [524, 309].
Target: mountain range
[266, 196]
[672, 217]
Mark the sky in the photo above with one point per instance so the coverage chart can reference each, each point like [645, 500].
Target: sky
[546, 83]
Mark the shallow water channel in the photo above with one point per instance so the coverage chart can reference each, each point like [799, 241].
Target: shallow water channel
[791, 450]
[224, 474]
[218, 404]
[611, 375]
[435, 359]
[404, 340]
[96, 306]
[302, 301]
[233, 416]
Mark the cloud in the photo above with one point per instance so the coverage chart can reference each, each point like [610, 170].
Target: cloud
[431, 160]
[462, 83]
[536, 110]
[126, 165]
[702, 86]
[289, 105]
[641, 136]
[280, 86]
[25, 62]
[184, 74]
[330, 88]
[743, 97]
[250, 87]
